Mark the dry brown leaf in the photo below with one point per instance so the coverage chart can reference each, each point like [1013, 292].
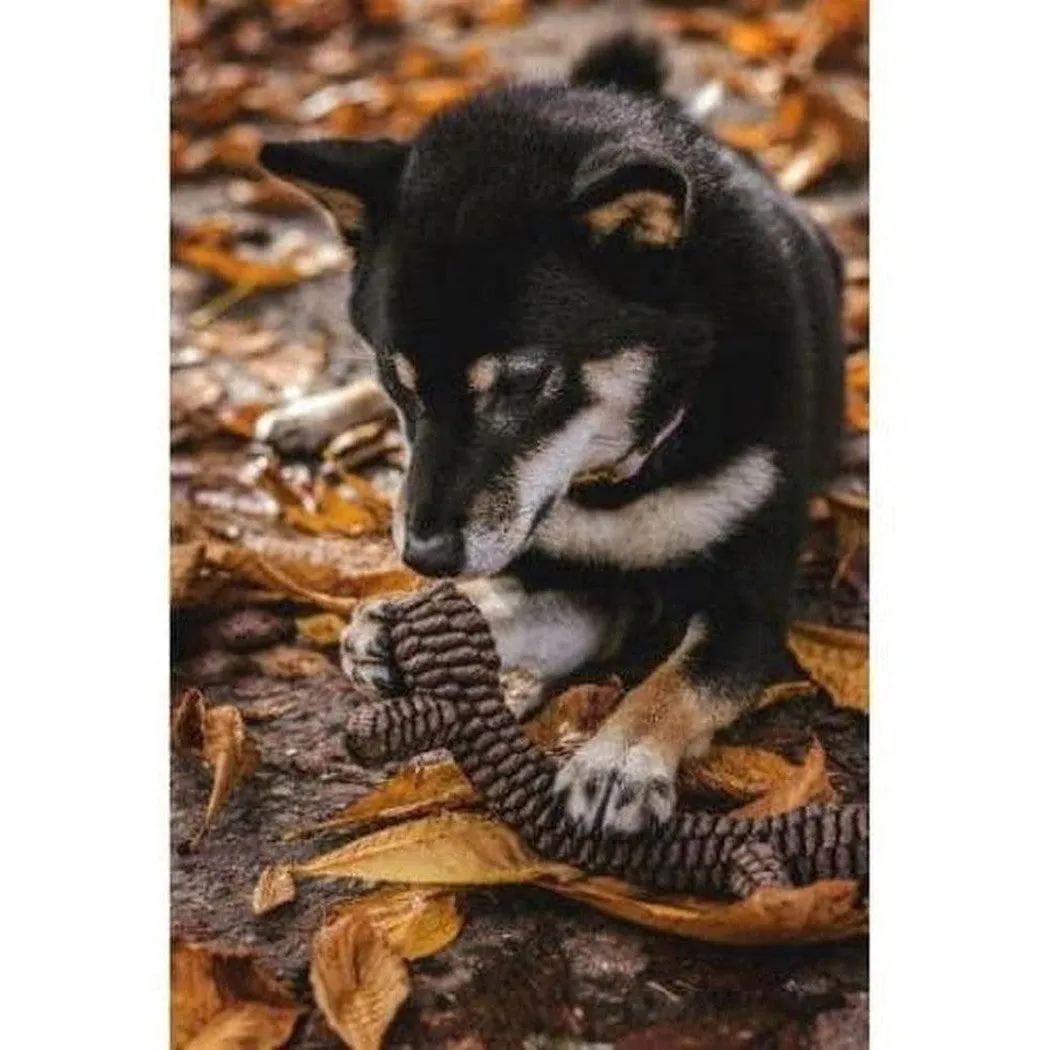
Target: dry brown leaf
[413, 792]
[580, 709]
[323, 629]
[824, 911]
[223, 999]
[801, 785]
[447, 849]
[326, 511]
[774, 694]
[835, 658]
[742, 772]
[218, 737]
[417, 922]
[358, 979]
[275, 887]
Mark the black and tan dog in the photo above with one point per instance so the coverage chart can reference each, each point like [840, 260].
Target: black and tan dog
[614, 346]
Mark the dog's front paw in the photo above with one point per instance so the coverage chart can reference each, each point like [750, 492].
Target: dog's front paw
[364, 649]
[300, 428]
[621, 790]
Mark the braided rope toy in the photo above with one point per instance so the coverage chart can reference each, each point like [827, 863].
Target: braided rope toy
[445, 659]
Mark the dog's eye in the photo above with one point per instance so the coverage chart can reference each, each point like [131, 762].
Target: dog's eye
[533, 383]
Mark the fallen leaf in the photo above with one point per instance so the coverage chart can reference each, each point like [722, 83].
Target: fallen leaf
[417, 921]
[236, 269]
[223, 999]
[275, 887]
[580, 709]
[359, 981]
[413, 792]
[323, 629]
[287, 572]
[835, 658]
[849, 513]
[823, 911]
[218, 737]
[799, 786]
[447, 849]
[742, 772]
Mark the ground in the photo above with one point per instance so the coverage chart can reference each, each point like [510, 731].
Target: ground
[528, 969]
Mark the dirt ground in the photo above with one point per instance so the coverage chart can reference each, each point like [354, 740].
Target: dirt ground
[529, 969]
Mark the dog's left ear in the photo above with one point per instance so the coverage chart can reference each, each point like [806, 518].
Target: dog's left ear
[355, 181]
[644, 195]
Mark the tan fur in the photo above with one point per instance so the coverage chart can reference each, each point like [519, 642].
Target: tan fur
[648, 217]
[482, 375]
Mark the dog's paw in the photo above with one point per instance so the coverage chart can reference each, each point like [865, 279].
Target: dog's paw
[364, 649]
[623, 791]
[301, 428]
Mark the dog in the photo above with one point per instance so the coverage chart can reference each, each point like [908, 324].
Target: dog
[614, 346]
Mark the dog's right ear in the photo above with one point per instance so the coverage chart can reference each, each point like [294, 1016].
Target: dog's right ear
[354, 181]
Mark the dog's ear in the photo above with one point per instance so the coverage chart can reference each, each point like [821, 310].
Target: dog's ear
[641, 194]
[354, 181]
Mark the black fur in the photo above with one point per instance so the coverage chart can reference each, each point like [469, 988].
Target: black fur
[473, 245]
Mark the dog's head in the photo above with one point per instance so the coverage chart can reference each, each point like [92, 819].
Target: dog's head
[517, 287]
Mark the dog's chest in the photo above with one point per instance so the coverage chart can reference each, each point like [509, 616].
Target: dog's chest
[664, 526]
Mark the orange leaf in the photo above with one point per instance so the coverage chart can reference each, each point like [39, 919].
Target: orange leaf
[235, 269]
[358, 980]
[837, 659]
[800, 786]
[222, 998]
[742, 772]
[857, 387]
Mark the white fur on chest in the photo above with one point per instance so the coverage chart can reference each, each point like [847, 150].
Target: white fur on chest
[666, 525]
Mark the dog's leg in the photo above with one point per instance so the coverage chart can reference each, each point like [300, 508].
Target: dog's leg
[624, 778]
[304, 426]
[546, 633]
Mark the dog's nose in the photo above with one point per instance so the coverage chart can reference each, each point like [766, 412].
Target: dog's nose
[434, 554]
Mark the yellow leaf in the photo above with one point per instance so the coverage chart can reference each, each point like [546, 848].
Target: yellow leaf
[824, 911]
[448, 849]
[742, 772]
[358, 980]
[417, 922]
[835, 658]
[223, 998]
[274, 888]
[800, 786]
[414, 791]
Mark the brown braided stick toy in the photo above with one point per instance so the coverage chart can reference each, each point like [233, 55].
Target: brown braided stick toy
[443, 652]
